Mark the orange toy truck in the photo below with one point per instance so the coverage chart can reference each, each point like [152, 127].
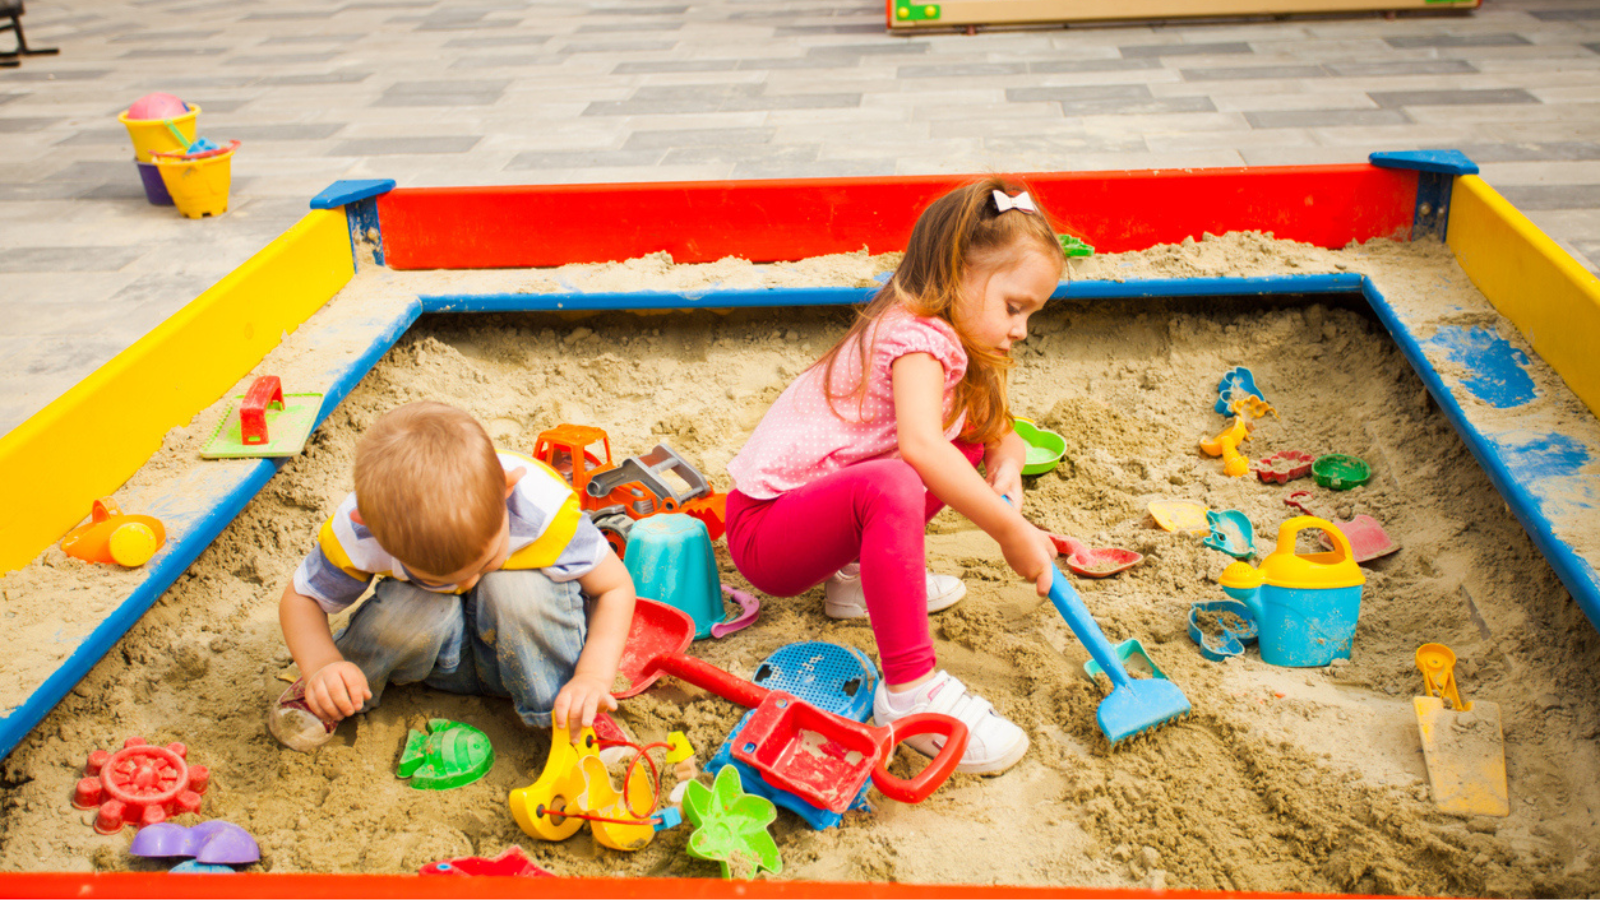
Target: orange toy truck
[614, 496]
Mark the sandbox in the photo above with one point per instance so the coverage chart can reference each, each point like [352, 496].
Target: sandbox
[1287, 780]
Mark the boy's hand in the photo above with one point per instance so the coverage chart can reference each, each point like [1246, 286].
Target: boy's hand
[1031, 554]
[579, 701]
[337, 690]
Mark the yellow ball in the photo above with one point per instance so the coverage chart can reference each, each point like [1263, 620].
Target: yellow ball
[133, 544]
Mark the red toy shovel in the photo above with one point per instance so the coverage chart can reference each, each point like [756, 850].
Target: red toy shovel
[818, 756]
[1368, 540]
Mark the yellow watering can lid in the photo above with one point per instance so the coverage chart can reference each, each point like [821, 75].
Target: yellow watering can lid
[1335, 568]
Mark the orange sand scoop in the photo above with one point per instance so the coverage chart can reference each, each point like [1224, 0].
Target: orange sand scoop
[1463, 742]
[1226, 445]
[111, 537]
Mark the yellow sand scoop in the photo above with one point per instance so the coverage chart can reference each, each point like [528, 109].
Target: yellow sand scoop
[1462, 742]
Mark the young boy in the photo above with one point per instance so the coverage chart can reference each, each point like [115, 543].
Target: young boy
[487, 563]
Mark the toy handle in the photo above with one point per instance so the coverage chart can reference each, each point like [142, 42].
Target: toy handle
[707, 677]
[749, 608]
[917, 788]
[1290, 529]
[1069, 547]
[265, 392]
[1070, 605]
[103, 509]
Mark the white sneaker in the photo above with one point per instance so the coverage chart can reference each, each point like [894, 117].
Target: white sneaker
[994, 744]
[844, 599]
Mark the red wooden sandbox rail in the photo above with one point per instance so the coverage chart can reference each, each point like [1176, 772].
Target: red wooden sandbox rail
[766, 221]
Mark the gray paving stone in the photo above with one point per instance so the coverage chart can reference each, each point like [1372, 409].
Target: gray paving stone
[1555, 150]
[55, 75]
[171, 52]
[282, 59]
[624, 27]
[1402, 67]
[1578, 14]
[19, 124]
[1549, 196]
[636, 10]
[1077, 93]
[675, 65]
[344, 77]
[822, 168]
[1092, 65]
[14, 192]
[8, 97]
[505, 61]
[647, 104]
[1592, 48]
[580, 159]
[697, 137]
[962, 70]
[96, 171]
[68, 259]
[500, 40]
[851, 28]
[1242, 73]
[1217, 49]
[1322, 118]
[182, 82]
[173, 36]
[214, 105]
[95, 136]
[396, 146]
[771, 154]
[482, 25]
[291, 15]
[859, 50]
[340, 38]
[1456, 40]
[1398, 99]
[1149, 106]
[809, 62]
[285, 131]
[572, 46]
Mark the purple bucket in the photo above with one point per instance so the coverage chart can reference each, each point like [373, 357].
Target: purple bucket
[155, 190]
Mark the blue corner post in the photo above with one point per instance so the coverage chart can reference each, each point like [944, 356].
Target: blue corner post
[1436, 173]
[358, 196]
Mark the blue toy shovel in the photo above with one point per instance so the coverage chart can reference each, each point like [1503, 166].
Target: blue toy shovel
[1133, 706]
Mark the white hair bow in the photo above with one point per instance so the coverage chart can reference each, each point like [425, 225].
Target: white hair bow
[1022, 201]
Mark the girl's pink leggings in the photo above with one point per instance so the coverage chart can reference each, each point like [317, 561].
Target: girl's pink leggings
[876, 512]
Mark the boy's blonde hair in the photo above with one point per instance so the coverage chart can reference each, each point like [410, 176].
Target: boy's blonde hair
[960, 231]
[430, 487]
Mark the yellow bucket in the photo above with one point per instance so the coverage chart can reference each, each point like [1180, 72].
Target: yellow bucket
[156, 135]
[199, 186]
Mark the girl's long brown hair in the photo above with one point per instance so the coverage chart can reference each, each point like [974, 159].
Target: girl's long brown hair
[956, 233]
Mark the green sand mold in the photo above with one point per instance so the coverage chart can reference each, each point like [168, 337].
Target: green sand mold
[450, 755]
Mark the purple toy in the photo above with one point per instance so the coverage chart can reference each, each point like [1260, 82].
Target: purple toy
[215, 841]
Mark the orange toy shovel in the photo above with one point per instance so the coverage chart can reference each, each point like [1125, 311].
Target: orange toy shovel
[1462, 741]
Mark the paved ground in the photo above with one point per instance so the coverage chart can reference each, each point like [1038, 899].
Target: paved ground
[435, 92]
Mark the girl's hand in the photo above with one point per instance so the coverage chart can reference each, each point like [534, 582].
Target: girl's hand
[1006, 479]
[1031, 554]
[580, 700]
[337, 690]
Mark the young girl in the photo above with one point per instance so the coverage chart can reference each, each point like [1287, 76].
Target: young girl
[886, 429]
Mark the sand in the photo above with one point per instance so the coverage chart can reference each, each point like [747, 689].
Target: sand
[1281, 779]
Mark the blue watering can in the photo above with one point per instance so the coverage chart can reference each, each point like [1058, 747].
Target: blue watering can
[1306, 606]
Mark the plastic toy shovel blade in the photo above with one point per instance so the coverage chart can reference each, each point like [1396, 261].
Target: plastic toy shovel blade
[1133, 706]
[1466, 757]
[1180, 515]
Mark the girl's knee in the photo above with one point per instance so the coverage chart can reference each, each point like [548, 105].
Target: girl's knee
[894, 485]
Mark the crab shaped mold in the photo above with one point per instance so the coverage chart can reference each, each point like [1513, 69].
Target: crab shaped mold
[141, 784]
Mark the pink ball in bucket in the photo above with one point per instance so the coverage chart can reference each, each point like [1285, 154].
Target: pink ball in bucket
[157, 106]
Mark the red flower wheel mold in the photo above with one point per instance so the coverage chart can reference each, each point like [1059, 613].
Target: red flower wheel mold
[140, 785]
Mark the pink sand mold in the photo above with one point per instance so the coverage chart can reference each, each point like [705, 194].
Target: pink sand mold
[139, 785]
[213, 842]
